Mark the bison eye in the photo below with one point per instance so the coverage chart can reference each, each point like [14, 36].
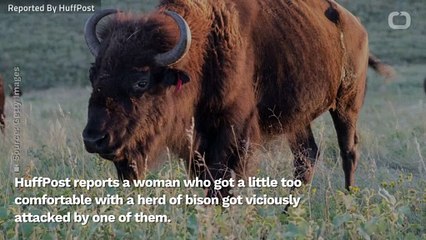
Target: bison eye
[141, 85]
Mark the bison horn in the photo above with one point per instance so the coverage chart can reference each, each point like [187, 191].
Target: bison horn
[182, 47]
[90, 36]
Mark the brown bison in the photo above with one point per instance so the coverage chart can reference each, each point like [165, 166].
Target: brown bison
[2, 100]
[236, 72]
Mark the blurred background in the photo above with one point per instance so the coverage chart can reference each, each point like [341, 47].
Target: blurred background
[51, 51]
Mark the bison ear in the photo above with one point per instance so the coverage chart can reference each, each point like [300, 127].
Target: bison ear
[176, 77]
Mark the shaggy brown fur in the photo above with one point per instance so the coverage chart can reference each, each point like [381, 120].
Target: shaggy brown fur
[257, 68]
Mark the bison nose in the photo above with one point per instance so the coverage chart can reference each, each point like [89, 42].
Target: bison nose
[95, 143]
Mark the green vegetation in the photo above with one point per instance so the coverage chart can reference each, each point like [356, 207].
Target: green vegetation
[389, 201]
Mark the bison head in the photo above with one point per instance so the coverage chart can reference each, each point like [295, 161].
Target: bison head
[135, 67]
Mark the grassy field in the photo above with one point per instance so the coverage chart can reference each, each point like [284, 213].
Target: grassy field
[389, 201]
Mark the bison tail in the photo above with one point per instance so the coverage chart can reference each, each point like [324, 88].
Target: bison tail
[381, 68]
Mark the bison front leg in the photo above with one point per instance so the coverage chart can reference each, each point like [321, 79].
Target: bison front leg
[215, 159]
[226, 151]
[126, 170]
[305, 151]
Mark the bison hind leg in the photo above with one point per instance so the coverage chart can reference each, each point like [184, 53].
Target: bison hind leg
[345, 125]
[305, 152]
[345, 117]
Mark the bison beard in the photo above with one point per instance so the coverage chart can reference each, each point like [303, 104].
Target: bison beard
[253, 70]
